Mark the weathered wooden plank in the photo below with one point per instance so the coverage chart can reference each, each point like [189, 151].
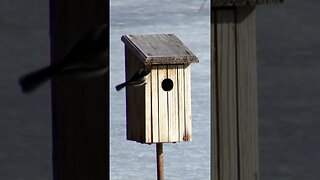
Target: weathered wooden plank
[148, 109]
[163, 105]
[135, 98]
[226, 72]
[159, 49]
[234, 94]
[181, 102]
[154, 99]
[130, 65]
[247, 93]
[173, 105]
[187, 100]
[243, 2]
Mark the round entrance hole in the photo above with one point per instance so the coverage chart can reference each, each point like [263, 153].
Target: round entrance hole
[167, 84]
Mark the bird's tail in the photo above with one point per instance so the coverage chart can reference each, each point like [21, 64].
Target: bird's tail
[33, 80]
[121, 86]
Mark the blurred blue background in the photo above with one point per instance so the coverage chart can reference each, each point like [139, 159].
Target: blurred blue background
[289, 90]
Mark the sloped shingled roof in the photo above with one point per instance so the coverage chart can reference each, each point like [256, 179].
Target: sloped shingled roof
[244, 2]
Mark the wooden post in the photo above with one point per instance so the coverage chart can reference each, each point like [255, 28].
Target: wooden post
[160, 162]
[80, 110]
[234, 137]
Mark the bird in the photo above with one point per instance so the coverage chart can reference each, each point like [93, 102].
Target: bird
[87, 58]
[138, 79]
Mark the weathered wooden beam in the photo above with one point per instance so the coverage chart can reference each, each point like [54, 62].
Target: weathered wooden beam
[80, 110]
[234, 94]
[247, 90]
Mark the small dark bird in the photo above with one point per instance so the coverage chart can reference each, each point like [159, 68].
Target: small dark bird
[138, 79]
[86, 59]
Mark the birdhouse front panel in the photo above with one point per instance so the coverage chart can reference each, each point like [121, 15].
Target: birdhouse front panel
[160, 110]
[170, 103]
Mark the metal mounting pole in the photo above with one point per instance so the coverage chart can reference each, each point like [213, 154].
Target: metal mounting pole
[160, 167]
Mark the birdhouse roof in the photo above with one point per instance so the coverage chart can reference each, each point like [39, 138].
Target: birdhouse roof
[243, 2]
[155, 49]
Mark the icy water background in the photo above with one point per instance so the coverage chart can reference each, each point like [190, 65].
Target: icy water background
[289, 90]
[185, 160]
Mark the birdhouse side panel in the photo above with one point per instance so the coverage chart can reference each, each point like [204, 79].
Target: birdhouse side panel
[187, 136]
[181, 102]
[135, 99]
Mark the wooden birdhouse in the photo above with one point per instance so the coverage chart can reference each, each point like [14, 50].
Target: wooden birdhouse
[160, 110]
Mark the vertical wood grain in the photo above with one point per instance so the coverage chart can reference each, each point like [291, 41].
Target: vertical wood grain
[187, 100]
[163, 105]
[148, 110]
[181, 102]
[155, 104]
[247, 93]
[227, 95]
[173, 105]
[136, 119]
[80, 110]
[129, 68]
[234, 94]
